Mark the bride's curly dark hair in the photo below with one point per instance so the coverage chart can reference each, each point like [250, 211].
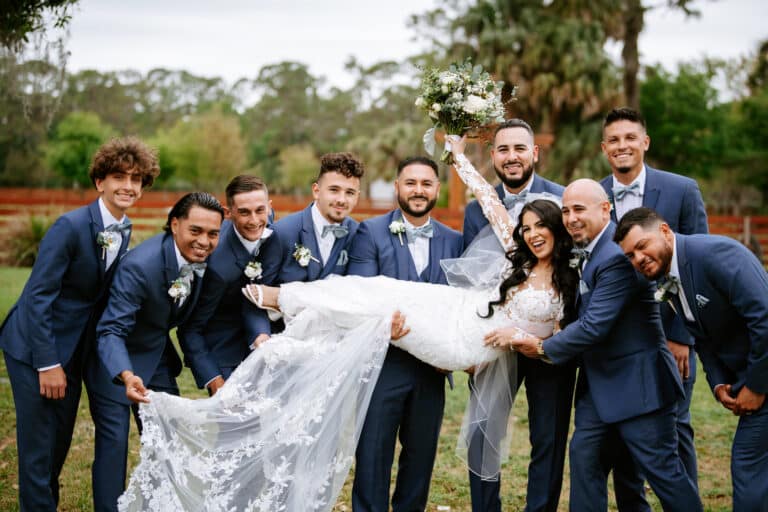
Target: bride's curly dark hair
[564, 278]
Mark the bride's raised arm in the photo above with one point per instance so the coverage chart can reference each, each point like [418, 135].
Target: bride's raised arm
[493, 209]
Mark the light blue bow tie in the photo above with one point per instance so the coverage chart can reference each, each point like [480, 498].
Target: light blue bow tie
[123, 229]
[619, 191]
[425, 231]
[510, 200]
[188, 268]
[338, 230]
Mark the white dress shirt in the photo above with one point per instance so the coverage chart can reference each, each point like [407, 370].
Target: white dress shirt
[419, 248]
[249, 245]
[324, 243]
[630, 201]
[107, 219]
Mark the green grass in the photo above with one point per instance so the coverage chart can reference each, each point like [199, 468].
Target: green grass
[714, 432]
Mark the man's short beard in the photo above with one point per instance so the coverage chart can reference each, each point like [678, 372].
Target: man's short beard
[623, 170]
[404, 206]
[515, 183]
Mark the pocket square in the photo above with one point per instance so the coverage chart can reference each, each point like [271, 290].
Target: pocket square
[583, 288]
[701, 301]
[343, 258]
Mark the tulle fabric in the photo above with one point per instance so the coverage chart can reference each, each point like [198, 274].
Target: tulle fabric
[281, 433]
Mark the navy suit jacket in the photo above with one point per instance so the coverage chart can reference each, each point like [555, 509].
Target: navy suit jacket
[678, 200]
[133, 333]
[727, 291]
[628, 369]
[298, 228]
[223, 324]
[474, 220]
[376, 251]
[64, 294]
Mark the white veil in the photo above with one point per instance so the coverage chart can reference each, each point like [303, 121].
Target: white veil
[484, 438]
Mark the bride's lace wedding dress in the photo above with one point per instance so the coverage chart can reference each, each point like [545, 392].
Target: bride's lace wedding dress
[281, 434]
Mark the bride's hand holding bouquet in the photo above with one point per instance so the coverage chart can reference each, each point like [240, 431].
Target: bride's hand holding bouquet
[459, 99]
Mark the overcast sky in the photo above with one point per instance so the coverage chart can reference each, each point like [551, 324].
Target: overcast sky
[235, 38]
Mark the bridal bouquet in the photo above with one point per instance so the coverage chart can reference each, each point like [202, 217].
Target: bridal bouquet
[460, 99]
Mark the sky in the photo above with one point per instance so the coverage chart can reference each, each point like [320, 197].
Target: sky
[235, 38]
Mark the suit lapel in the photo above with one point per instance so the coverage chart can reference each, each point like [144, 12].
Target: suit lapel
[436, 252]
[239, 253]
[97, 226]
[307, 239]
[405, 267]
[686, 279]
[170, 270]
[651, 192]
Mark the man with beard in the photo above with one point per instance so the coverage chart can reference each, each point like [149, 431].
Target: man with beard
[677, 199]
[723, 301]
[513, 156]
[549, 388]
[315, 241]
[409, 396]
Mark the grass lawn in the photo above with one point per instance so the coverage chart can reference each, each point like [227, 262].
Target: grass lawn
[714, 431]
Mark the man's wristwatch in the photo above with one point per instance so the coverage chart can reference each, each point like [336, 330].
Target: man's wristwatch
[540, 351]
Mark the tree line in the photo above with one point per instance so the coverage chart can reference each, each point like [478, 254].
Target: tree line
[551, 55]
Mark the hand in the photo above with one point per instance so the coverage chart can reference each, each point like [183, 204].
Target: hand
[458, 144]
[723, 394]
[261, 338]
[528, 346]
[215, 384]
[53, 383]
[398, 329]
[471, 370]
[134, 387]
[747, 401]
[681, 354]
[504, 338]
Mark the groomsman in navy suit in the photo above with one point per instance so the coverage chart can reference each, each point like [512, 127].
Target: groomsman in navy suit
[224, 327]
[549, 388]
[629, 384]
[409, 396]
[720, 290]
[324, 229]
[48, 333]
[154, 290]
[677, 199]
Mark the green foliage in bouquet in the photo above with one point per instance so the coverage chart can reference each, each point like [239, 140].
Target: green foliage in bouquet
[459, 99]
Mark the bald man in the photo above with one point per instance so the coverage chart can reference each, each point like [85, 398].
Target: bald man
[629, 384]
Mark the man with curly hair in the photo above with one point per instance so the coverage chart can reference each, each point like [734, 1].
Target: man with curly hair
[315, 241]
[49, 333]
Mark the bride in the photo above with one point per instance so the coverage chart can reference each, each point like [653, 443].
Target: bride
[281, 433]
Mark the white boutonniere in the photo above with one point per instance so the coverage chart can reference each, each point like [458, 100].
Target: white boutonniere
[574, 262]
[701, 301]
[108, 241]
[665, 291]
[179, 289]
[253, 270]
[303, 255]
[397, 227]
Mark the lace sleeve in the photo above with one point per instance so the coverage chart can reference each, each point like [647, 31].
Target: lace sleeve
[489, 201]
